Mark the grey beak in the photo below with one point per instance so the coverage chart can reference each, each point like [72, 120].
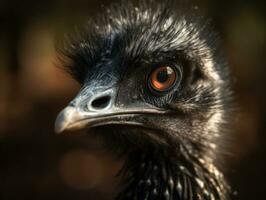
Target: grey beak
[90, 109]
[67, 119]
[84, 109]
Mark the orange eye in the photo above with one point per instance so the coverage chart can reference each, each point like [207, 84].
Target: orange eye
[162, 78]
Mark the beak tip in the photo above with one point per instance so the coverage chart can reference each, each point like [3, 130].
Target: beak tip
[65, 118]
[60, 124]
[58, 129]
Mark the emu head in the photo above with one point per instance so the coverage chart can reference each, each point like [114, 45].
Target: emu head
[155, 89]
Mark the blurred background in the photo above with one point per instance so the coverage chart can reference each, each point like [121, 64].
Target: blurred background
[33, 90]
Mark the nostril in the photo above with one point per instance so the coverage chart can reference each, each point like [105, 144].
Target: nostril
[101, 102]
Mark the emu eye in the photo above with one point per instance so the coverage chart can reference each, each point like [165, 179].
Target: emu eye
[162, 79]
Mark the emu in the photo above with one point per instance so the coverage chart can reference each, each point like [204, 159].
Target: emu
[156, 90]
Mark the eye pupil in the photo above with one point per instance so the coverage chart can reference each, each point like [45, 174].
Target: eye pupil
[162, 76]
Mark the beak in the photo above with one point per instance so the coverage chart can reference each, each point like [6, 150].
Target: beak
[86, 109]
[68, 120]
[97, 106]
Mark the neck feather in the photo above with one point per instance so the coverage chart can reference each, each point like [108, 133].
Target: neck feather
[171, 177]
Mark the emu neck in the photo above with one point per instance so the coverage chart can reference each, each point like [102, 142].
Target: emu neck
[169, 178]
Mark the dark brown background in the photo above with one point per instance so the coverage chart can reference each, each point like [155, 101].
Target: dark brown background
[33, 90]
